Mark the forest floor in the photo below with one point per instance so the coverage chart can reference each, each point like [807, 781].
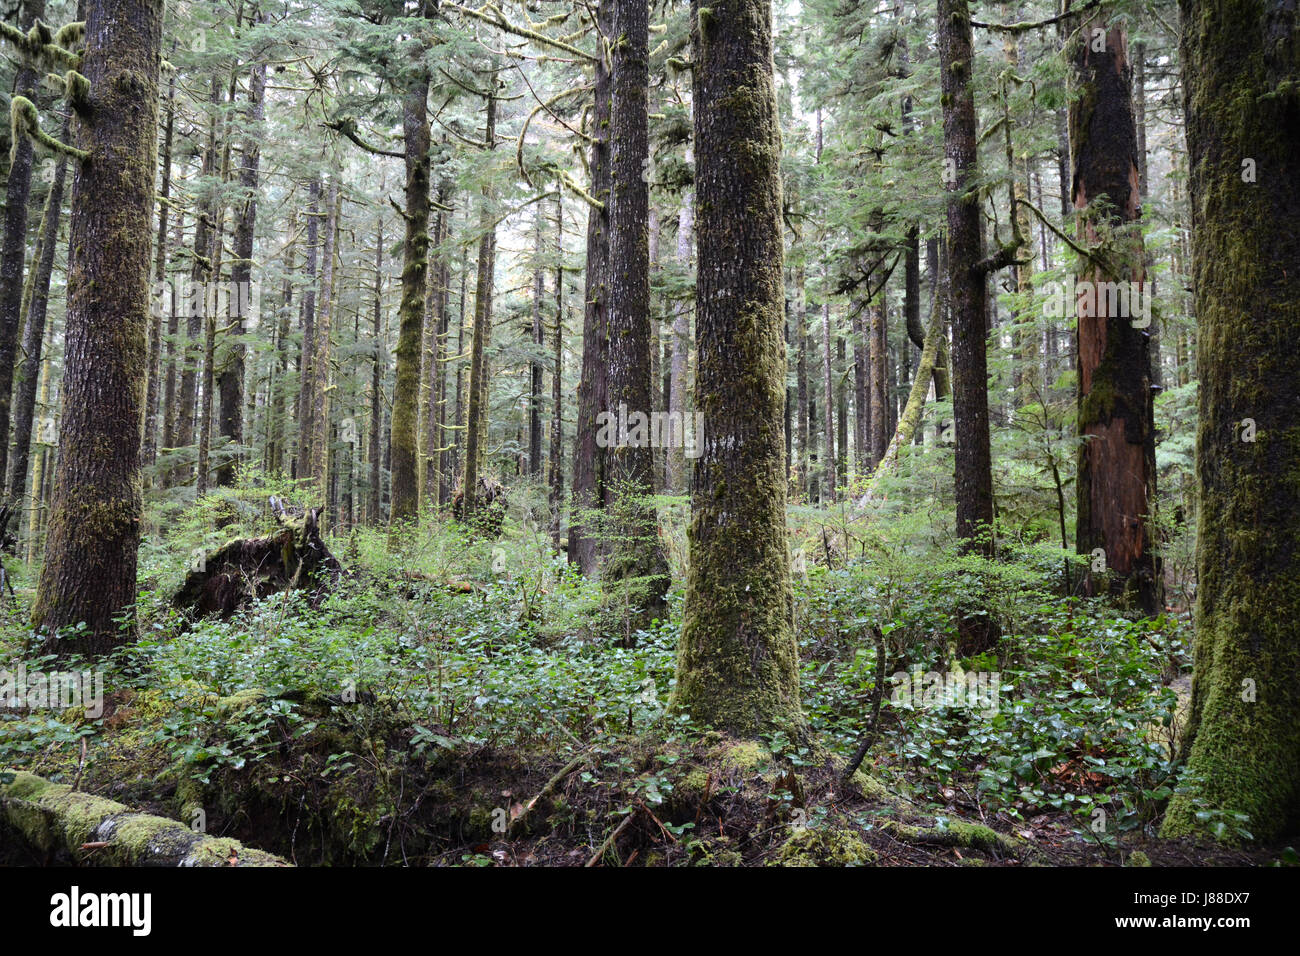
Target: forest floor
[458, 701]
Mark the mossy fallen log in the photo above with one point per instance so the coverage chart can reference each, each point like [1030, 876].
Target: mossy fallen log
[973, 836]
[52, 819]
[248, 569]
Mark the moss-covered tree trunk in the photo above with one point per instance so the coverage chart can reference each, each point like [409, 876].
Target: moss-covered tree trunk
[1116, 467]
[415, 269]
[56, 822]
[738, 663]
[589, 492]
[479, 371]
[1239, 72]
[13, 252]
[230, 367]
[89, 574]
[34, 329]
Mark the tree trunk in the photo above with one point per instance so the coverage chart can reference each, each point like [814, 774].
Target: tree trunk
[34, 330]
[589, 458]
[828, 398]
[435, 338]
[678, 466]
[280, 359]
[968, 301]
[162, 294]
[89, 574]
[376, 378]
[804, 412]
[1243, 738]
[861, 393]
[630, 460]
[479, 372]
[415, 268]
[199, 273]
[535, 363]
[230, 377]
[876, 380]
[13, 253]
[207, 382]
[738, 663]
[441, 441]
[556, 454]
[92, 831]
[316, 465]
[1116, 459]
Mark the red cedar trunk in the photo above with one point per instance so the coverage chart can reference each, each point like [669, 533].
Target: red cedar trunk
[1116, 472]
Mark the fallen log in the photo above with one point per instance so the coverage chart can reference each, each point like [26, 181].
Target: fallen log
[244, 570]
[61, 823]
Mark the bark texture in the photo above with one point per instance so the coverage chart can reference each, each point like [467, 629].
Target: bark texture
[738, 662]
[1244, 748]
[89, 574]
[1117, 457]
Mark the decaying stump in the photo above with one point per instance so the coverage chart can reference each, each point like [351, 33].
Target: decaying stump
[489, 510]
[246, 569]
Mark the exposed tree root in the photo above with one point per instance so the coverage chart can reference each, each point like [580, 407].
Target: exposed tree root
[246, 569]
